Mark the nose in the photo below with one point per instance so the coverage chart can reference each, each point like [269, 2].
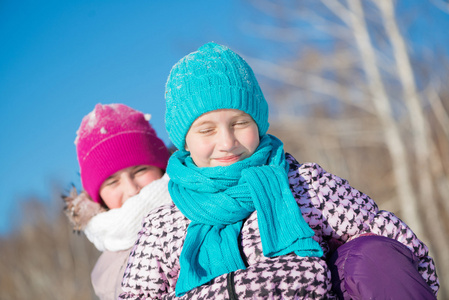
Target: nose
[131, 187]
[227, 139]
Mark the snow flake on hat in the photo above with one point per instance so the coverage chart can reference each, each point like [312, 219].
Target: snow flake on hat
[77, 137]
[92, 119]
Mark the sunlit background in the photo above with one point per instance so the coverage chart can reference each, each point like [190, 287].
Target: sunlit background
[372, 111]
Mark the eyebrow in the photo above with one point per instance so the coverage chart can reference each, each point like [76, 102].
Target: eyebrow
[240, 114]
[201, 123]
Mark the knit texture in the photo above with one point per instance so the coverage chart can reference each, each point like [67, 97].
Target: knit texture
[214, 77]
[113, 137]
[218, 199]
[331, 207]
[117, 229]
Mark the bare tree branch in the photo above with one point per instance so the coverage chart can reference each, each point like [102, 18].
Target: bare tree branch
[407, 198]
[420, 135]
[290, 76]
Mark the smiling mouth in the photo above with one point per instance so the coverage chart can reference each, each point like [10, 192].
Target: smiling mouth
[228, 159]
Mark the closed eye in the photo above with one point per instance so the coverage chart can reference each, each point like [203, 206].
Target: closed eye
[140, 169]
[240, 123]
[111, 181]
[206, 131]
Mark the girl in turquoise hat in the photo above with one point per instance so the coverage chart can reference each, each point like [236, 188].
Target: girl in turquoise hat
[248, 220]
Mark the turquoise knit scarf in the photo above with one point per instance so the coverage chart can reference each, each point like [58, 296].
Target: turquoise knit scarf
[218, 199]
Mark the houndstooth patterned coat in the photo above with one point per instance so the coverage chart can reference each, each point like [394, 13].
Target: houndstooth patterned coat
[331, 207]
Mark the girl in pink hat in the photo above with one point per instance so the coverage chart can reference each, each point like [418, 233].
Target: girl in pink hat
[122, 164]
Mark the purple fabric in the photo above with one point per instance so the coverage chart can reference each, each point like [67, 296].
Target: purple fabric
[377, 267]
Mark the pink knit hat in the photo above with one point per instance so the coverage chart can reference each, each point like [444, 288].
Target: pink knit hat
[113, 137]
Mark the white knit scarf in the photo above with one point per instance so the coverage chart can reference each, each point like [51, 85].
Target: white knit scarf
[117, 229]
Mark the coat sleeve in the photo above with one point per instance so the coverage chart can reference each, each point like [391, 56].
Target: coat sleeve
[153, 265]
[153, 268]
[335, 210]
[108, 273]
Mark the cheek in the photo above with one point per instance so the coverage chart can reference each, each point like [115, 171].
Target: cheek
[200, 148]
[111, 197]
[149, 177]
[251, 139]
[199, 155]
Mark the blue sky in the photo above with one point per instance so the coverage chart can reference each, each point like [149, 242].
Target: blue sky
[59, 58]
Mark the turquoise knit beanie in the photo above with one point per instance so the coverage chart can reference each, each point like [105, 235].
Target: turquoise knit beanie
[214, 77]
